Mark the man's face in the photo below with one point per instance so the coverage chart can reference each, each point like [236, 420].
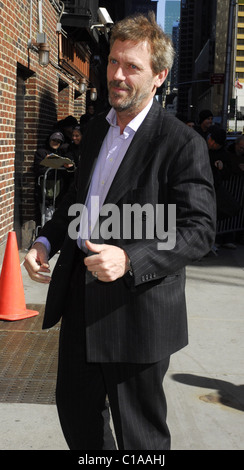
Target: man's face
[76, 137]
[207, 122]
[131, 82]
[54, 144]
[90, 110]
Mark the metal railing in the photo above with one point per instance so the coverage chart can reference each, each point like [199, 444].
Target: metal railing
[235, 185]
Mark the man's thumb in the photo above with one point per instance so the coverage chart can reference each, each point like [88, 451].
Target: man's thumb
[95, 247]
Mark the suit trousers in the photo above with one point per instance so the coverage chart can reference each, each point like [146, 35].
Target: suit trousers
[86, 392]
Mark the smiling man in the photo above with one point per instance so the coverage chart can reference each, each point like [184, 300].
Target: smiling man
[121, 299]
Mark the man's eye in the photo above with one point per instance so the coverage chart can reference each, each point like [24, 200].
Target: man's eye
[133, 66]
[113, 61]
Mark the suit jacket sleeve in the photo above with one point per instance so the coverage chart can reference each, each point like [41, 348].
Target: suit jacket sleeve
[190, 188]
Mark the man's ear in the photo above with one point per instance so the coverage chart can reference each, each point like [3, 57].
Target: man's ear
[161, 77]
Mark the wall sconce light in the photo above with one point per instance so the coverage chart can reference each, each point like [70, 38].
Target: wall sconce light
[40, 46]
[93, 94]
[83, 89]
[83, 86]
[43, 49]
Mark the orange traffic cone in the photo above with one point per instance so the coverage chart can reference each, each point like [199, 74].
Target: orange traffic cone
[12, 297]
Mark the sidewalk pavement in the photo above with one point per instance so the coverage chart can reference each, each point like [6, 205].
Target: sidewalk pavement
[204, 384]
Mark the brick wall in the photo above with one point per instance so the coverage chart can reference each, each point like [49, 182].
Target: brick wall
[7, 118]
[23, 128]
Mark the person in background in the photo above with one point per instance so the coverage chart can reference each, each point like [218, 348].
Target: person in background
[220, 161]
[218, 154]
[66, 126]
[74, 149]
[85, 118]
[54, 144]
[122, 296]
[205, 120]
[236, 150]
[190, 123]
[57, 181]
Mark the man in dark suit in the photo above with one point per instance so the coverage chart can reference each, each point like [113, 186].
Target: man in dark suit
[121, 292]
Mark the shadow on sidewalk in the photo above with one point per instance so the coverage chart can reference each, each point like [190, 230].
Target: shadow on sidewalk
[226, 393]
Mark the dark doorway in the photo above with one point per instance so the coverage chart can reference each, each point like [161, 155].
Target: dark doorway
[19, 155]
[22, 75]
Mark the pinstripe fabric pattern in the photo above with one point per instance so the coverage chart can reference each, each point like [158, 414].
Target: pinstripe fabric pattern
[134, 391]
[134, 429]
[143, 319]
[117, 337]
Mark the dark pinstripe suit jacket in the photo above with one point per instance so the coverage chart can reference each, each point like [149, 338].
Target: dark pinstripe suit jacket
[140, 318]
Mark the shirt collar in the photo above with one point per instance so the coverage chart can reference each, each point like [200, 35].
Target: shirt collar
[135, 123]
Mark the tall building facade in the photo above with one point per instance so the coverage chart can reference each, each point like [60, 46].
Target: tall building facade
[239, 42]
[211, 58]
[237, 110]
[176, 44]
[196, 55]
[172, 14]
[171, 28]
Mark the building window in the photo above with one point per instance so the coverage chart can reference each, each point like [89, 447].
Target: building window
[240, 74]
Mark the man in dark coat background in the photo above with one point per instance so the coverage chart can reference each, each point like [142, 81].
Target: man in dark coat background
[120, 292]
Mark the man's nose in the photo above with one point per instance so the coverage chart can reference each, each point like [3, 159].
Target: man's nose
[119, 74]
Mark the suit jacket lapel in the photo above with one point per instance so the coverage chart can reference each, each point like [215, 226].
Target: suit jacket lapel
[87, 165]
[138, 155]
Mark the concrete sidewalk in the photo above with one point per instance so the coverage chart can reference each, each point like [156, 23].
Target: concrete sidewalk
[204, 384]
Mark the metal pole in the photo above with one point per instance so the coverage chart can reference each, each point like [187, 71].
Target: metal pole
[228, 63]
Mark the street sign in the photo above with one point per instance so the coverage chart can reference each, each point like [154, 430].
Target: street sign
[217, 78]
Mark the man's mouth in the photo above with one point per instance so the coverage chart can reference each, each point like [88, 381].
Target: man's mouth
[118, 87]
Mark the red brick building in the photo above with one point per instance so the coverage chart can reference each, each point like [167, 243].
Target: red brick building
[32, 99]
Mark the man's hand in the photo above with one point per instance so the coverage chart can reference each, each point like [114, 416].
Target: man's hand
[36, 263]
[108, 264]
[219, 164]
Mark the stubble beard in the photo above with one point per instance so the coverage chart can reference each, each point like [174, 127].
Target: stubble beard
[130, 103]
